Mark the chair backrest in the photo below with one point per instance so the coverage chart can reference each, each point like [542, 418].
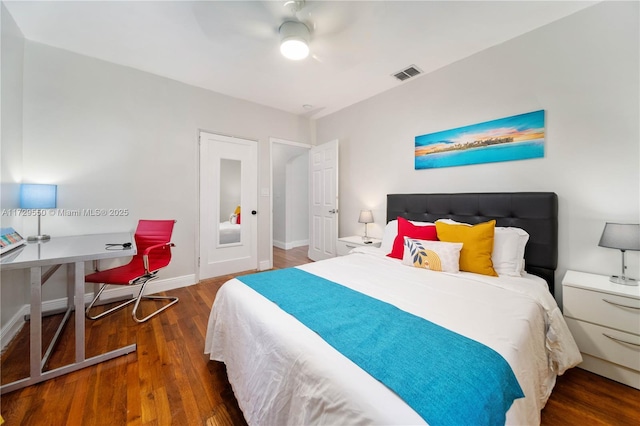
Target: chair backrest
[152, 232]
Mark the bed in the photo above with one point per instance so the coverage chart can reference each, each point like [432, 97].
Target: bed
[229, 232]
[283, 372]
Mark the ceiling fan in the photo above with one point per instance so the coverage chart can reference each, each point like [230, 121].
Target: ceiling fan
[294, 34]
[331, 30]
[327, 31]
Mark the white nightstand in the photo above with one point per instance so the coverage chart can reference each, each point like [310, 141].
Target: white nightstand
[346, 244]
[604, 319]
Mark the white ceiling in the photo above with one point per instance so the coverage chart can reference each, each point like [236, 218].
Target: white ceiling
[231, 47]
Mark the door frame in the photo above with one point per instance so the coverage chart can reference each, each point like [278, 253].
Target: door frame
[273, 141]
[199, 190]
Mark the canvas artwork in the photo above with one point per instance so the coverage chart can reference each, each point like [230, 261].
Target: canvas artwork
[518, 137]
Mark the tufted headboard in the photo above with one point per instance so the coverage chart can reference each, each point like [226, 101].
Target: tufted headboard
[535, 212]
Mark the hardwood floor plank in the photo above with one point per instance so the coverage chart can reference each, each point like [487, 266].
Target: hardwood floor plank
[220, 417]
[169, 380]
[181, 395]
[134, 396]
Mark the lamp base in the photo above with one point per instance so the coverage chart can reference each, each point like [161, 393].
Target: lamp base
[35, 238]
[623, 280]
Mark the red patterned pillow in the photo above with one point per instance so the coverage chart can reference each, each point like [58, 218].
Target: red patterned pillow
[408, 229]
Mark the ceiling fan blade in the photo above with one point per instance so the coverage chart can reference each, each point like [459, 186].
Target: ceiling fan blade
[218, 20]
[333, 17]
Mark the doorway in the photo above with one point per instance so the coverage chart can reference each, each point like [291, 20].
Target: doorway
[289, 194]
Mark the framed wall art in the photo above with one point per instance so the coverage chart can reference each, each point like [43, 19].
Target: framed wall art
[518, 137]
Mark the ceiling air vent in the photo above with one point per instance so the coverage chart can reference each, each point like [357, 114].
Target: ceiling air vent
[407, 73]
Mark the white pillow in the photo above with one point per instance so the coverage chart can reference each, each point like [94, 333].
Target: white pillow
[391, 231]
[434, 255]
[508, 249]
[389, 236]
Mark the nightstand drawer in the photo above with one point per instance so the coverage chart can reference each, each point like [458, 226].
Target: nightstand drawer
[345, 244]
[592, 339]
[343, 247]
[609, 310]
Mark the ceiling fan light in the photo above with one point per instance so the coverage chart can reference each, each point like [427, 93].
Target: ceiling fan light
[294, 44]
[294, 49]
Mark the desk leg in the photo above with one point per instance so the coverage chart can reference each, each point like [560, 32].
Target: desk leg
[76, 275]
[35, 322]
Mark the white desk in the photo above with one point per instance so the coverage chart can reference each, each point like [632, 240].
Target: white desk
[72, 251]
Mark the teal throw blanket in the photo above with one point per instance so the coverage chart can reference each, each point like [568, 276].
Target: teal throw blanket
[446, 378]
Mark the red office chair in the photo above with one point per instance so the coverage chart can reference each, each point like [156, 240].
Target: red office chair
[153, 241]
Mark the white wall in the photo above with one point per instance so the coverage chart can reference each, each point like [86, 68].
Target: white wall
[11, 67]
[279, 186]
[114, 137]
[297, 179]
[583, 70]
[290, 195]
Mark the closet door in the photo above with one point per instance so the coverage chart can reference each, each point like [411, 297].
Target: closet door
[228, 203]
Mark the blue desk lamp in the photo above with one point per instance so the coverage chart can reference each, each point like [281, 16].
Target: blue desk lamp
[37, 197]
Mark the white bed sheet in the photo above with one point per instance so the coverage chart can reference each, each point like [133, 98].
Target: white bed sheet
[229, 232]
[283, 373]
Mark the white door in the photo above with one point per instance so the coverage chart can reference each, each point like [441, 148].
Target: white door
[228, 203]
[323, 193]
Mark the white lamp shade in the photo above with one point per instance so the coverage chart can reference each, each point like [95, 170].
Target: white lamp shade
[365, 216]
[294, 40]
[38, 196]
[621, 236]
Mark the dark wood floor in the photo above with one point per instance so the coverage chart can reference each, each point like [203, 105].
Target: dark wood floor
[170, 381]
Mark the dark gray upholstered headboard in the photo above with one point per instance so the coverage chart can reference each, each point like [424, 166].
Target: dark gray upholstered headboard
[535, 212]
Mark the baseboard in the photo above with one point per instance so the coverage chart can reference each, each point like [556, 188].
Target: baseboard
[264, 265]
[291, 245]
[14, 325]
[300, 243]
[156, 286]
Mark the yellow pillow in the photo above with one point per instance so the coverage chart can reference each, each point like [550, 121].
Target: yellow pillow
[477, 245]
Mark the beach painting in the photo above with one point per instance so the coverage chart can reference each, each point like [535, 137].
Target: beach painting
[518, 137]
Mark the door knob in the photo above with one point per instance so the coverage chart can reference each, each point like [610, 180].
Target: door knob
[254, 212]
[333, 211]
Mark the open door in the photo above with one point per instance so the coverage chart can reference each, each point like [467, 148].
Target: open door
[228, 202]
[323, 194]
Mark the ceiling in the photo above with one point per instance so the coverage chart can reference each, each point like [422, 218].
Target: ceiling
[232, 47]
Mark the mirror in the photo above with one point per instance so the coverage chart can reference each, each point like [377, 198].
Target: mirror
[230, 212]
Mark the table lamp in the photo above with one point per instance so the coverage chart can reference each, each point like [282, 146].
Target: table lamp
[365, 217]
[37, 197]
[623, 237]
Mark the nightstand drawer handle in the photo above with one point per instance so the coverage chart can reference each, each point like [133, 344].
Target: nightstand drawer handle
[620, 340]
[619, 304]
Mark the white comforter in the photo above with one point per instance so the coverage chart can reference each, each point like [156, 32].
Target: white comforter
[283, 373]
[229, 232]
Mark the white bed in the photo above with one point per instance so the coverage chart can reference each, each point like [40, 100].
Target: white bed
[229, 232]
[282, 372]
[274, 371]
